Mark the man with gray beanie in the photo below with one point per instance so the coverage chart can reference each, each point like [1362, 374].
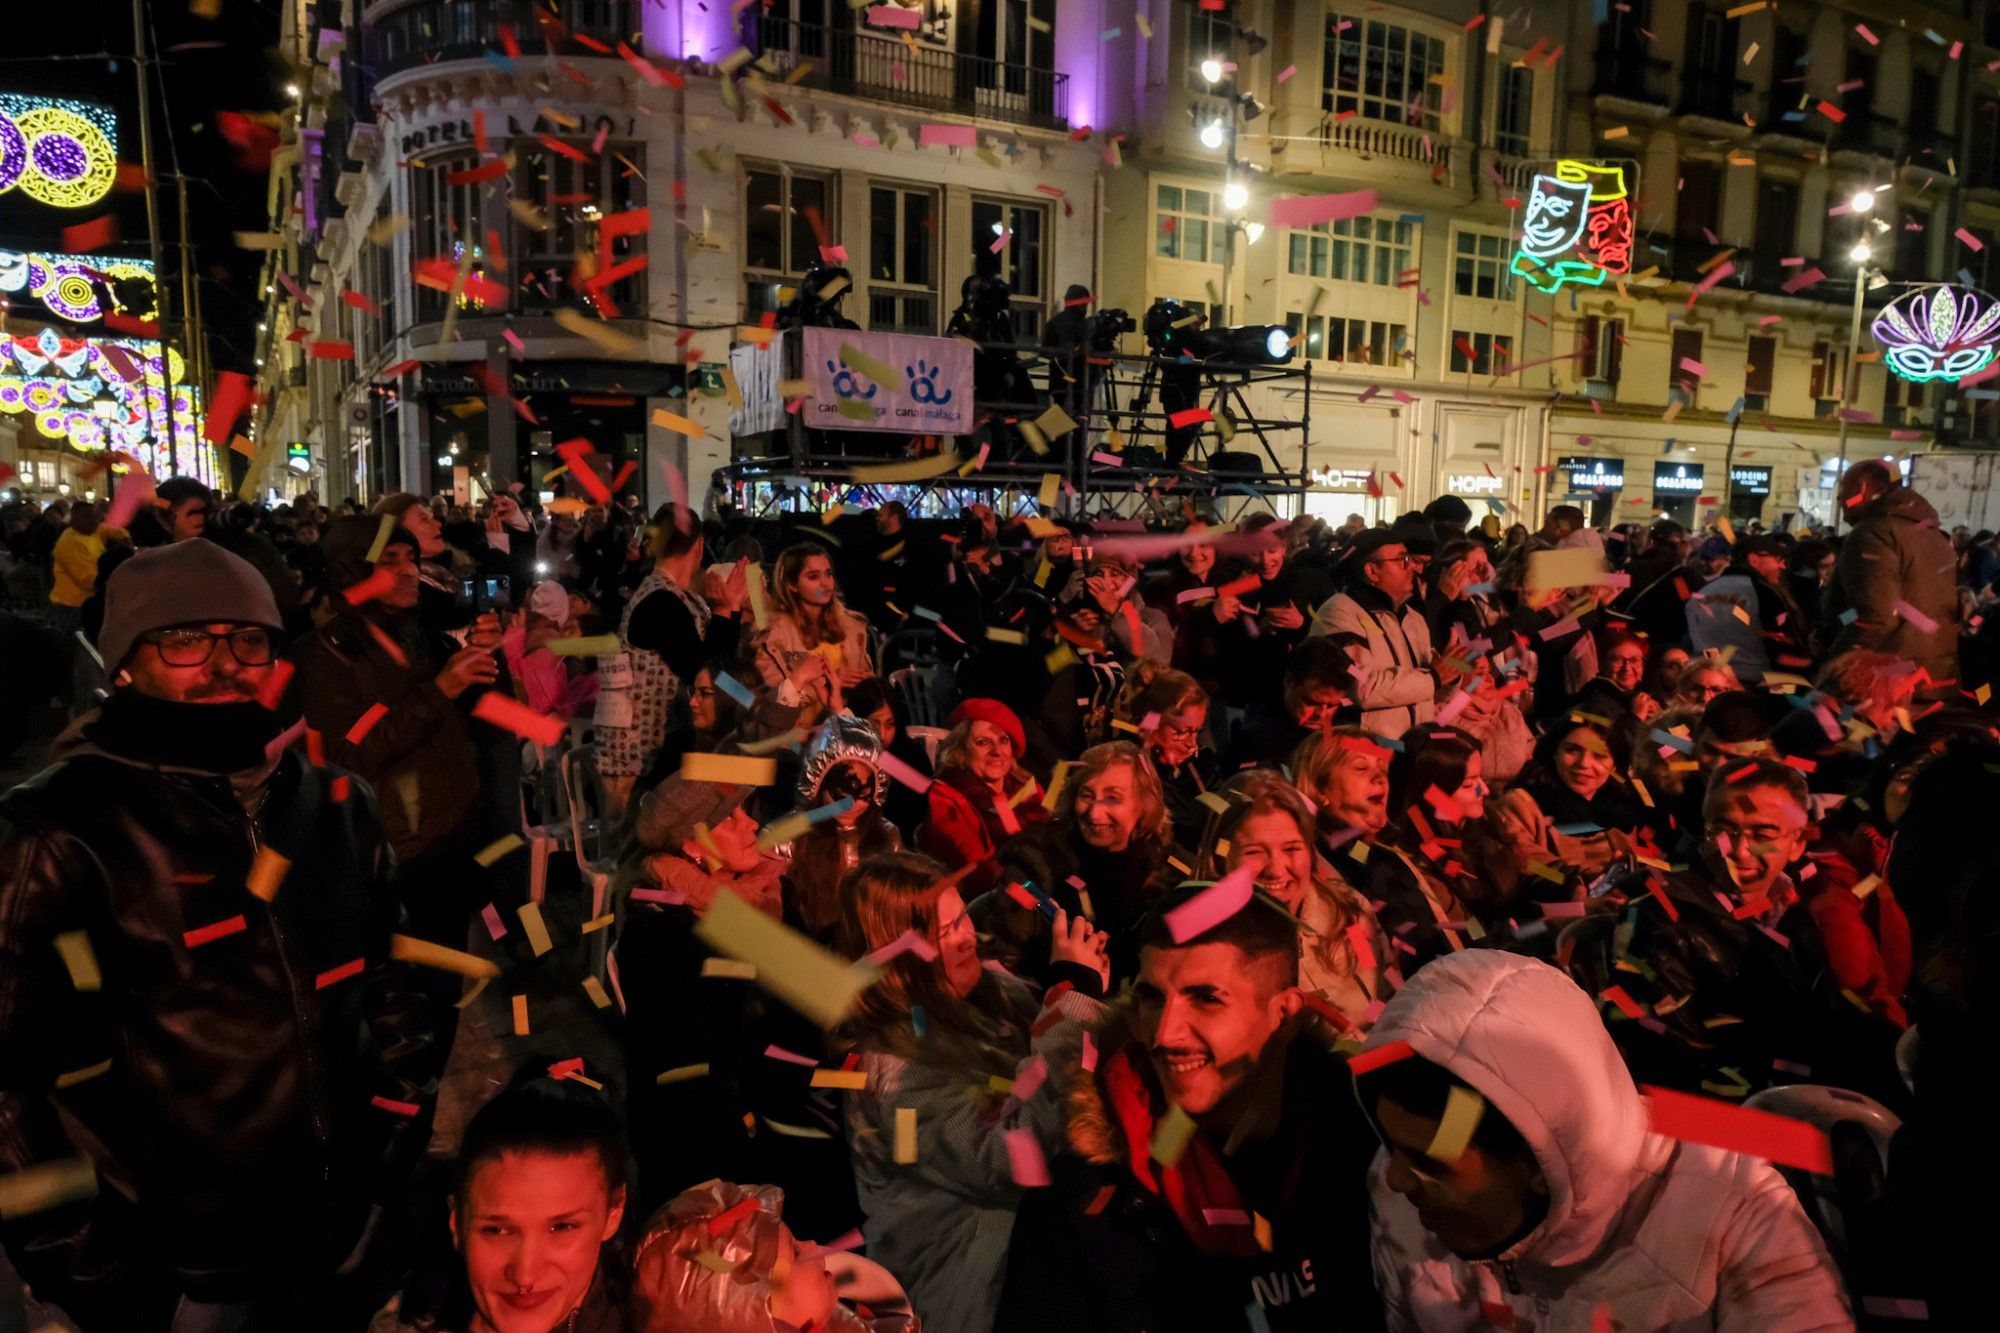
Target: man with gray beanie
[195, 983]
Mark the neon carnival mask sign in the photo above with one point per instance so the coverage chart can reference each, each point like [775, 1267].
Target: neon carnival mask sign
[1578, 227]
[1938, 333]
[63, 154]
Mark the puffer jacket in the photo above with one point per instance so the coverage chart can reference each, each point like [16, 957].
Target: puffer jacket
[1398, 688]
[232, 1082]
[1895, 561]
[1642, 1231]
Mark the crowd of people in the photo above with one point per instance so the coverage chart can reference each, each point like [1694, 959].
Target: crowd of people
[998, 923]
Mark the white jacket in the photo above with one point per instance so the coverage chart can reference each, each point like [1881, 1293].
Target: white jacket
[1397, 689]
[1652, 1232]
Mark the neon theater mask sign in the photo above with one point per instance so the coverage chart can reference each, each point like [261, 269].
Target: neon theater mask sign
[1578, 227]
[1939, 333]
[63, 154]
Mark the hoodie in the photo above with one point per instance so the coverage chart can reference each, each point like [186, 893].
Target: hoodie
[1642, 1231]
[1895, 585]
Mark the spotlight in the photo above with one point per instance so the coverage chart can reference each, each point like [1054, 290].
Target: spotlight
[1252, 108]
[1242, 345]
[1211, 69]
[1861, 253]
[1862, 202]
[1212, 134]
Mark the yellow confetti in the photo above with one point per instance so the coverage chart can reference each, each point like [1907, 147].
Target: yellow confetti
[74, 946]
[520, 1015]
[674, 421]
[76, 1076]
[1462, 1109]
[535, 928]
[598, 923]
[1051, 487]
[603, 335]
[682, 1075]
[819, 984]
[1171, 1136]
[267, 872]
[595, 990]
[385, 228]
[850, 1080]
[728, 968]
[50, 1185]
[998, 635]
[737, 770]
[916, 469]
[904, 1150]
[409, 949]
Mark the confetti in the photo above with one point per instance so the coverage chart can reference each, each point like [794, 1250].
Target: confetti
[49, 1185]
[80, 960]
[267, 872]
[510, 714]
[816, 982]
[1775, 1138]
[737, 770]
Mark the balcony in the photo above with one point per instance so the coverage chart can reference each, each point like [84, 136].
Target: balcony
[1865, 133]
[1418, 154]
[1713, 95]
[1630, 74]
[429, 31]
[923, 78]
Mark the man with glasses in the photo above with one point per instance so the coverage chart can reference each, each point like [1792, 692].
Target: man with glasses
[194, 973]
[1399, 674]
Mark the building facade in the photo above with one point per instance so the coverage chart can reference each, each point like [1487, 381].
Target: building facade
[458, 176]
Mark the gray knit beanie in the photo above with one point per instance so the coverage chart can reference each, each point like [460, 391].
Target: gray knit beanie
[187, 583]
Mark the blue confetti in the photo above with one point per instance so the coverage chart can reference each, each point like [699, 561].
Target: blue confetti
[734, 688]
[833, 810]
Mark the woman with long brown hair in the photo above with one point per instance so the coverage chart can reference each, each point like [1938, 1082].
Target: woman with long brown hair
[965, 1070]
[1168, 711]
[807, 618]
[1344, 957]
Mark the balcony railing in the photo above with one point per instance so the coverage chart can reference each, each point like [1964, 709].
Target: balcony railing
[1379, 140]
[922, 77]
[428, 31]
[1629, 72]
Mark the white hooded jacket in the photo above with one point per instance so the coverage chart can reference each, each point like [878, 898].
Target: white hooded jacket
[1642, 1231]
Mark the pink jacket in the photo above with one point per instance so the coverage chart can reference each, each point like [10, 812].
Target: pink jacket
[1642, 1232]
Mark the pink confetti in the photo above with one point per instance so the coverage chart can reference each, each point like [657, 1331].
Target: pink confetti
[1287, 72]
[1316, 208]
[1798, 282]
[1213, 905]
[1916, 617]
[1869, 37]
[1694, 367]
[514, 341]
[790, 1057]
[907, 942]
[1971, 242]
[865, 140]
[1024, 1155]
[491, 916]
[890, 16]
[902, 772]
[1000, 242]
[833, 254]
[949, 136]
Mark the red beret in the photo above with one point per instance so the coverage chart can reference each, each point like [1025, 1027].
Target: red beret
[999, 714]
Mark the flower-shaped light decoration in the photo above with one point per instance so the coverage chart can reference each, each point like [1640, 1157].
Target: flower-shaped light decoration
[1939, 333]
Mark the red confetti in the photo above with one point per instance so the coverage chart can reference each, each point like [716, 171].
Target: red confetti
[84, 237]
[378, 584]
[395, 1107]
[366, 723]
[207, 934]
[510, 714]
[274, 685]
[341, 973]
[1366, 1061]
[1775, 1138]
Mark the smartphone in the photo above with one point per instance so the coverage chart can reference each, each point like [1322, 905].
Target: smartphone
[485, 594]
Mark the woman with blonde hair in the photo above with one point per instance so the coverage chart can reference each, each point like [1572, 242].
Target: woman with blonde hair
[808, 619]
[1344, 957]
[1168, 711]
[965, 1068]
[1105, 855]
[1701, 680]
[982, 797]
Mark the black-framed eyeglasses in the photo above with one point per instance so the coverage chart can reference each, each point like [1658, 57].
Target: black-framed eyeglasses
[194, 647]
[1403, 559]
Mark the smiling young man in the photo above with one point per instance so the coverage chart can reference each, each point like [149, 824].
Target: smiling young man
[1518, 1185]
[1219, 1161]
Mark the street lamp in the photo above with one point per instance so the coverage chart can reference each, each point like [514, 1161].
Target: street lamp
[1862, 202]
[1211, 69]
[1861, 252]
[1214, 134]
[1235, 195]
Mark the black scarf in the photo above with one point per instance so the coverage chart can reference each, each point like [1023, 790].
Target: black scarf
[217, 738]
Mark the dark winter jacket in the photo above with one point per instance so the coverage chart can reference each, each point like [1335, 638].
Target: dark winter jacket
[1898, 575]
[1101, 1252]
[256, 1094]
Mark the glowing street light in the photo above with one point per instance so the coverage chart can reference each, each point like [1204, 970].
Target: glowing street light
[1861, 252]
[1213, 134]
[1235, 195]
[1211, 69]
[1862, 202]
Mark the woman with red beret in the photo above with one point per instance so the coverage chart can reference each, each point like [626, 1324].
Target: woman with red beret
[982, 797]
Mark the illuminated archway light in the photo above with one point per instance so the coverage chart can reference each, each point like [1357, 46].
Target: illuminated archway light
[1938, 333]
[1578, 227]
[63, 154]
[148, 410]
[67, 284]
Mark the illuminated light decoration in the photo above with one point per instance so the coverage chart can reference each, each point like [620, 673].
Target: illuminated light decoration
[64, 154]
[1938, 333]
[108, 394]
[70, 286]
[1578, 227]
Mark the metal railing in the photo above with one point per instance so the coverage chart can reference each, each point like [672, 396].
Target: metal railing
[428, 31]
[927, 78]
[1629, 72]
[1716, 95]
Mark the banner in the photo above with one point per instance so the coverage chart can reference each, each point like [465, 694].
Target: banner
[888, 381]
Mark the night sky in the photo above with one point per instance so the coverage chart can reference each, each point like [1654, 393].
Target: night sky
[81, 49]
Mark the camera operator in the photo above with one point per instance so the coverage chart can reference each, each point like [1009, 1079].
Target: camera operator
[1066, 339]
